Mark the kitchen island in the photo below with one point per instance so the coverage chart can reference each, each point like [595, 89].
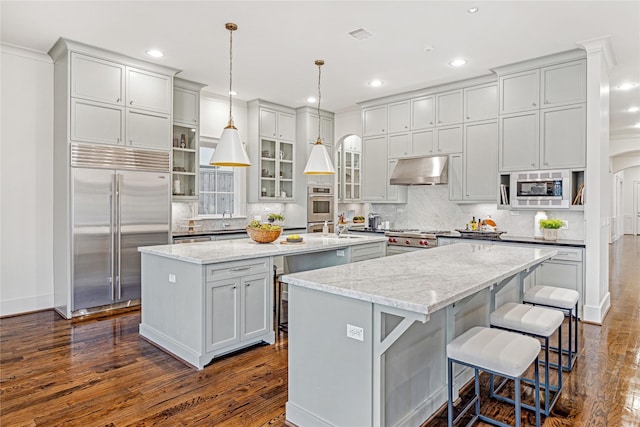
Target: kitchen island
[202, 300]
[367, 340]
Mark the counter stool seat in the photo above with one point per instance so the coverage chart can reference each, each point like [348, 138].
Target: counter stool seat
[565, 300]
[497, 352]
[540, 323]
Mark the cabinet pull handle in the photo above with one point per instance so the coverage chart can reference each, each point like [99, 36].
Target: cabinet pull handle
[241, 268]
[546, 102]
[131, 142]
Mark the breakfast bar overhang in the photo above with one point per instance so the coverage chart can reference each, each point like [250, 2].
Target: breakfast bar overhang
[367, 340]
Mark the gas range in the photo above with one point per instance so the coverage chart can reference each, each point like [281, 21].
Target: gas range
[414, 238]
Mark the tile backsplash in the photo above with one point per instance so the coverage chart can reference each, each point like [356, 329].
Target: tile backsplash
[429, 208]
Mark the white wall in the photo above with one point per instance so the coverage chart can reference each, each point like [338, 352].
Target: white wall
[26, 175]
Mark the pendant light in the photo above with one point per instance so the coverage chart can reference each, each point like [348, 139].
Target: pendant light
[230, 151]
[319, 162]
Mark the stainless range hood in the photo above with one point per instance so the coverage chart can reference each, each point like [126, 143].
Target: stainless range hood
[420, 171]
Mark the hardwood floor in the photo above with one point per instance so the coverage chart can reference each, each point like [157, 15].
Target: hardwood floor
[97, 371]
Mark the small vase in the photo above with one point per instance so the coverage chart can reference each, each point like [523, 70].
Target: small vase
[550, 233]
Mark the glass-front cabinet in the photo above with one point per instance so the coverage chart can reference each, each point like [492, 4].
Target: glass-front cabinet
[184, 163]
[349, 164]
[276, 169]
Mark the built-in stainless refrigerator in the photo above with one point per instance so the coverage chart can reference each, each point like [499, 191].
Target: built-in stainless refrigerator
[115, 208]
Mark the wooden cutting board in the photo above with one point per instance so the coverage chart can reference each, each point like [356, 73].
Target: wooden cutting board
[284, 242]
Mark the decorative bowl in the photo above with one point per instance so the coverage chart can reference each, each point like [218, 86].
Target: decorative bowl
[290, 240]
[263, 236]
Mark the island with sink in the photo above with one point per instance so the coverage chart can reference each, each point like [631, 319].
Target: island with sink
[203, 300]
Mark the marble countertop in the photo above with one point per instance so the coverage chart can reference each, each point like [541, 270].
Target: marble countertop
[423, 281]
[240, 249]
[522, 239]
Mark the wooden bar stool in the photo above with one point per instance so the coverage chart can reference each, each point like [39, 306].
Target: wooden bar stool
[565, 300]
[539, 323]
[497, 352]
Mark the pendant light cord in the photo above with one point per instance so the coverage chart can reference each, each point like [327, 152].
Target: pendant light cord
[319, 63]
[230, 74]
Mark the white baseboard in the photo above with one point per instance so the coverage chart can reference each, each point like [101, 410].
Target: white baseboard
[595, 314]
[26, 305]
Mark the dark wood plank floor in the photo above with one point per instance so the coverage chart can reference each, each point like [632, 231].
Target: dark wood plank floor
[98, 372]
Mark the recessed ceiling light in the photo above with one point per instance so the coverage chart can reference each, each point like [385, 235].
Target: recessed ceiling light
[312, 99]
[472, 10]
[637, 125]
[626, 86]
[233, 93]
[633, 109]
[155, 53]
[375, 83]
[458, 62]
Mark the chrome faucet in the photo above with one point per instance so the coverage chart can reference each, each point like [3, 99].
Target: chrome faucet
[226, 224]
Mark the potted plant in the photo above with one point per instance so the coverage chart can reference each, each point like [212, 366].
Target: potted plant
[358, 220]
[550, 228]
[275, 217]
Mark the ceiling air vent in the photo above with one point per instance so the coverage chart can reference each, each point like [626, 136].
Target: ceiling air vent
[360, 34]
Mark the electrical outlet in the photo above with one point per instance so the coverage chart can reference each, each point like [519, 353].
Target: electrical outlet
[172, 278]
[565, 225]
[355, 332]
[399, 210]
[340, 252]
[515, 213]
[266, 209]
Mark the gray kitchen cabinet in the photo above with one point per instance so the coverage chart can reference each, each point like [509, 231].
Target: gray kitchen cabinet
[519, 141]
[398, 117]
[520, 92]
[423, 142]
[147, 130]
[237, 304]
[148, 91]
[374, 120]
[448, 140]
[563, 133]
[97, 79]
[422, 113]
[367, 251]
[376, 171]
[272, 149]
[480, 172]
[481, 102]
[563, 84]
[399, 145]
[374, 167]
[449, 108]
[186, 105]
[96, 123]
[307, 135]
[455, 177]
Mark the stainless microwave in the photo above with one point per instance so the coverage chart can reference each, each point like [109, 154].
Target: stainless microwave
[540, 189]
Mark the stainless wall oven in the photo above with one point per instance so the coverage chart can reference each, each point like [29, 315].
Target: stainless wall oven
[320, 207]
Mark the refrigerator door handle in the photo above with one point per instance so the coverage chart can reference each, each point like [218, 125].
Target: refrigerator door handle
[118, 236]
[112, 230]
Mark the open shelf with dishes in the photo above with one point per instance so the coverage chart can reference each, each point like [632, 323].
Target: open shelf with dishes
[184, 162]
[276, 169]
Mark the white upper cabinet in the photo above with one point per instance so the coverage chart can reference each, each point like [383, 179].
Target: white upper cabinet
[449, 108]
[563, 84]
[422, 142]
[480, 172]
[449, 140]
[374, 169]
[148, 130]
[399, 145]
[519, 92]
[374, 120]
[96, 122]
[481, 102]
[519, 141]
[422, 113]
[149, 91]
[185, 106]
[276, 124]
[398, 117]
[563, 135]
[97, 79]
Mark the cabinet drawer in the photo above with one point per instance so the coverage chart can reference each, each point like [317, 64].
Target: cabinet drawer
[568, 254]
[236, 269]
[368, 251]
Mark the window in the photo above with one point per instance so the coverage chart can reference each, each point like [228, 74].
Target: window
[217, 185]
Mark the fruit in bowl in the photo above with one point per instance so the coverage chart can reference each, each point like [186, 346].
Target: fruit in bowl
[294, 238]
[263, 233]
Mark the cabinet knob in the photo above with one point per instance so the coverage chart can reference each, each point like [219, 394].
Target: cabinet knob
[533, 103]
[195, 120]
[430, 123]
[248, 284]
[382, 130]
[533, 164]
[130, 102]
[406, 127]
[468, 117]
[546, 102]
[118, 100]
[131, 142]
[439, 121]
[233, 287]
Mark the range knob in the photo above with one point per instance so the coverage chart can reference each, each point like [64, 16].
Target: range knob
[426, 243]
[407, 242]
